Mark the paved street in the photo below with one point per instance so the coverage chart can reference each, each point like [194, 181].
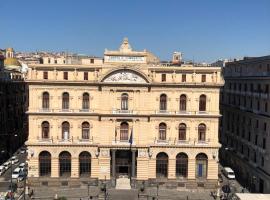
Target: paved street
[5, 178]
[234, 184]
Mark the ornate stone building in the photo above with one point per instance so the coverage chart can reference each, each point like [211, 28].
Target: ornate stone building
[128, 116]
[246, 120]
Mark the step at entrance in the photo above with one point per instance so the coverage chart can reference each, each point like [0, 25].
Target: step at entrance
[123, 183]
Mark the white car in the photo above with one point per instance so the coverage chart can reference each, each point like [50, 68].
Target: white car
[7, 164]
[16, 173]
[2, 169]
[229, 173]
[22, 151]
[22, 166]
[14, 159]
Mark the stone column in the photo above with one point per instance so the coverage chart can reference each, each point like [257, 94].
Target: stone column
[113, 163]
[133, 167]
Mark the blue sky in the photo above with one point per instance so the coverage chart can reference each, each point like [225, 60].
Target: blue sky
[204, 30]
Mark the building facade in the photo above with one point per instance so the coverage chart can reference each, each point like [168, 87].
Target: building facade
[128, 116]
[246, 120]
[13, 104]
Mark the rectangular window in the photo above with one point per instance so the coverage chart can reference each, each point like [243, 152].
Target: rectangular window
[251, 87]
[256, 139]
[264, 143]
[264, 126]
[92, 60]
[55, 61]
[203, 78]
[262, 161]
[249, 136]
[257, 123]
[65, 75]
[45, 75]
[266, 89]
[163, 77]
[49, 60]
[85, 76]
[184, 76]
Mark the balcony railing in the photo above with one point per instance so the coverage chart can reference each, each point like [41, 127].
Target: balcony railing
[182, 112]
[182, 142]
[84, 140]
[119, 111]
[122, 142]
[45, 140]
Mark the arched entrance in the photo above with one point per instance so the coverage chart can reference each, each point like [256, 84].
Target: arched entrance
[64, 164]
[123, 163]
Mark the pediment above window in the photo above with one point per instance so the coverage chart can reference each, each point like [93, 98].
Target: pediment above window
[124, 76]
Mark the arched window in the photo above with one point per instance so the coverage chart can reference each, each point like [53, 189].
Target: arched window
[162, 131]
[65, 101]
[182, 131]
[162, 165]
[124, 101]
[85, 101]
[45, 130]
[65, 164]
[44, 163]
[201, 132]
[201, 165]
[45, 100]
[85, 163]
[183, 102]
[65, 130]
[85, 130]
[163, 102]
[202, 103]
[181, 165]
[124, 131]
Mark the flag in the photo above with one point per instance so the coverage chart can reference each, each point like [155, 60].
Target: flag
[131, 137]
[115, 134]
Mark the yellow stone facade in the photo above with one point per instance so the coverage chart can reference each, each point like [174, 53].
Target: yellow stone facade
[144, 80]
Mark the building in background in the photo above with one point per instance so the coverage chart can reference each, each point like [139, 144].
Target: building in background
[246, 120]
[13, 104]
[125, 116]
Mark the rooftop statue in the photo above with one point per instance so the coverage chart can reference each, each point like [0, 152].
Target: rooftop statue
[125, 47]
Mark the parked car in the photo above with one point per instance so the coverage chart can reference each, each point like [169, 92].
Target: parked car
[14, 159]
[22, 151]
[2, 169]
[21, 176]
[22, 166]
[7, 164]
[229, 173]
[16, 173]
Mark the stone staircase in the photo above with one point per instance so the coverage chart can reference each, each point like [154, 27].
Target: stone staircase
[123, 183]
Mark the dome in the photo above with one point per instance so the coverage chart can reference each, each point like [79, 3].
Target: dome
[12, 63]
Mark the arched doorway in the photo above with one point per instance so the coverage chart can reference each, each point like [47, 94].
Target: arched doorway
[201, 165]
[64, 164]
[181, 165]
[85, 163]
[44, 163]
[162, 165]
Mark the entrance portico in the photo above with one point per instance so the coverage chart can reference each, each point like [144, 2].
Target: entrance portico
[123, 163]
